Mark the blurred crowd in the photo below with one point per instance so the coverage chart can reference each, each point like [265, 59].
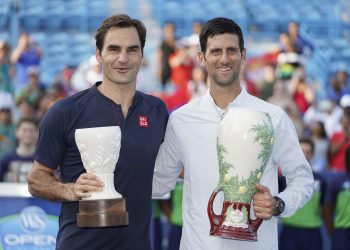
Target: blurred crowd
[320, 113]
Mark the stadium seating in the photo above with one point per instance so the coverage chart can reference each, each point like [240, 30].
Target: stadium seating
[64, 28]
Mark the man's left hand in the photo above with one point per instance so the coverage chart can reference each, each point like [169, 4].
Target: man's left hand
[263, 203]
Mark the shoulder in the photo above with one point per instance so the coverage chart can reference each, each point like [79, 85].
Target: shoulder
[190, 107]
[195, 111]
[9, 157]
[151, 100]
[66, 108]
[66, 104]
[280, 119]
[276, 113]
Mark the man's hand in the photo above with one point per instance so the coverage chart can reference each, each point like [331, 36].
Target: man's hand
[42, 183]
[263, 203]
[86, 184]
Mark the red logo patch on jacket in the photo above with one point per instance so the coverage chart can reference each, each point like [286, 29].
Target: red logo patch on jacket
[143, 121]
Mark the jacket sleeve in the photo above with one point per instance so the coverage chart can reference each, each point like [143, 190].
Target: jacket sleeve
[168, 165]
[294, 166]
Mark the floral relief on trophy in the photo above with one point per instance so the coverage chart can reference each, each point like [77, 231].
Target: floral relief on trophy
[99, 149]
[104, 161]
[236, 188]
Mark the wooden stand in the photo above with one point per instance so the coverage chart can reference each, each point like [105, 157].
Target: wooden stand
[102, 213]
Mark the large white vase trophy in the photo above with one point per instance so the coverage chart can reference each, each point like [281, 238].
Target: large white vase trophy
[244, 146]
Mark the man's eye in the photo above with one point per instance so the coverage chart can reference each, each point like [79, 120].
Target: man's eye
[233, 50]
[134, 50]
[216, 52]
[113, 49]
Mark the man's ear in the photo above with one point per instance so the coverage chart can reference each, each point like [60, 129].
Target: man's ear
[201, 58]
[98, 56]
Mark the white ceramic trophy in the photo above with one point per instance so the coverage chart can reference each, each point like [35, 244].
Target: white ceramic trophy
[99, 149]
[244, 146]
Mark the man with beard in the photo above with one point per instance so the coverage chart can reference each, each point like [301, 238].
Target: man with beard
[190, 143]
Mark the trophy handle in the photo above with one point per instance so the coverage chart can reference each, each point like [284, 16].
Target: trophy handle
[213, 218]
[255, 224]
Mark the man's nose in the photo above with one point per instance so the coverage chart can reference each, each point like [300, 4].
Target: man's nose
[123, 56]
[224, 58]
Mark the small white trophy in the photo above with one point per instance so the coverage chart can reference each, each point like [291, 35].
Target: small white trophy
[99, 149]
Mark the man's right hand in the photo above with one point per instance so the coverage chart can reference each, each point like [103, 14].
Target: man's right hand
[86, 184]
[43, 184]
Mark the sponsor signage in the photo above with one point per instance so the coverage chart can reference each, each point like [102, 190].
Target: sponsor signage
[31, 229]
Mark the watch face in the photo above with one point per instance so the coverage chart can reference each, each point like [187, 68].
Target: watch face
[279, 205]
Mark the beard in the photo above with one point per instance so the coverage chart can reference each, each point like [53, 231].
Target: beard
[226, 81]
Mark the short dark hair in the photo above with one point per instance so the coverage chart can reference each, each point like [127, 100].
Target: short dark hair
[120, 21]
[307, 140]
[31, 120]
[217, 26]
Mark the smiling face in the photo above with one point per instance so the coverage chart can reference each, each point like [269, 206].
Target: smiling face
[223, 59]
[121, 56]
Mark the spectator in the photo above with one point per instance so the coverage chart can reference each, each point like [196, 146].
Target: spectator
[157, 224]
[197, 86]
[176, 216]
[181, 64]
[294, 115]
[337, 86]
[24, 109]
[167, 47]
[65, 80]
[94, 72]
[5, 68]
[326, 111]
[87, 72]
[340, 141]
[302, 231]
[194, 37]
[301, 93]
[26, 54]
[321, 142]
[193, 41]
[302, 45]
[288, 59]
[7, 127]
[15, 165]
[267, 85]
[33, 89]
[281, 96]
[248, 83]
[338, 209]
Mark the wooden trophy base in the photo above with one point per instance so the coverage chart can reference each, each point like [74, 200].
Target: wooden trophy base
[102, 213]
